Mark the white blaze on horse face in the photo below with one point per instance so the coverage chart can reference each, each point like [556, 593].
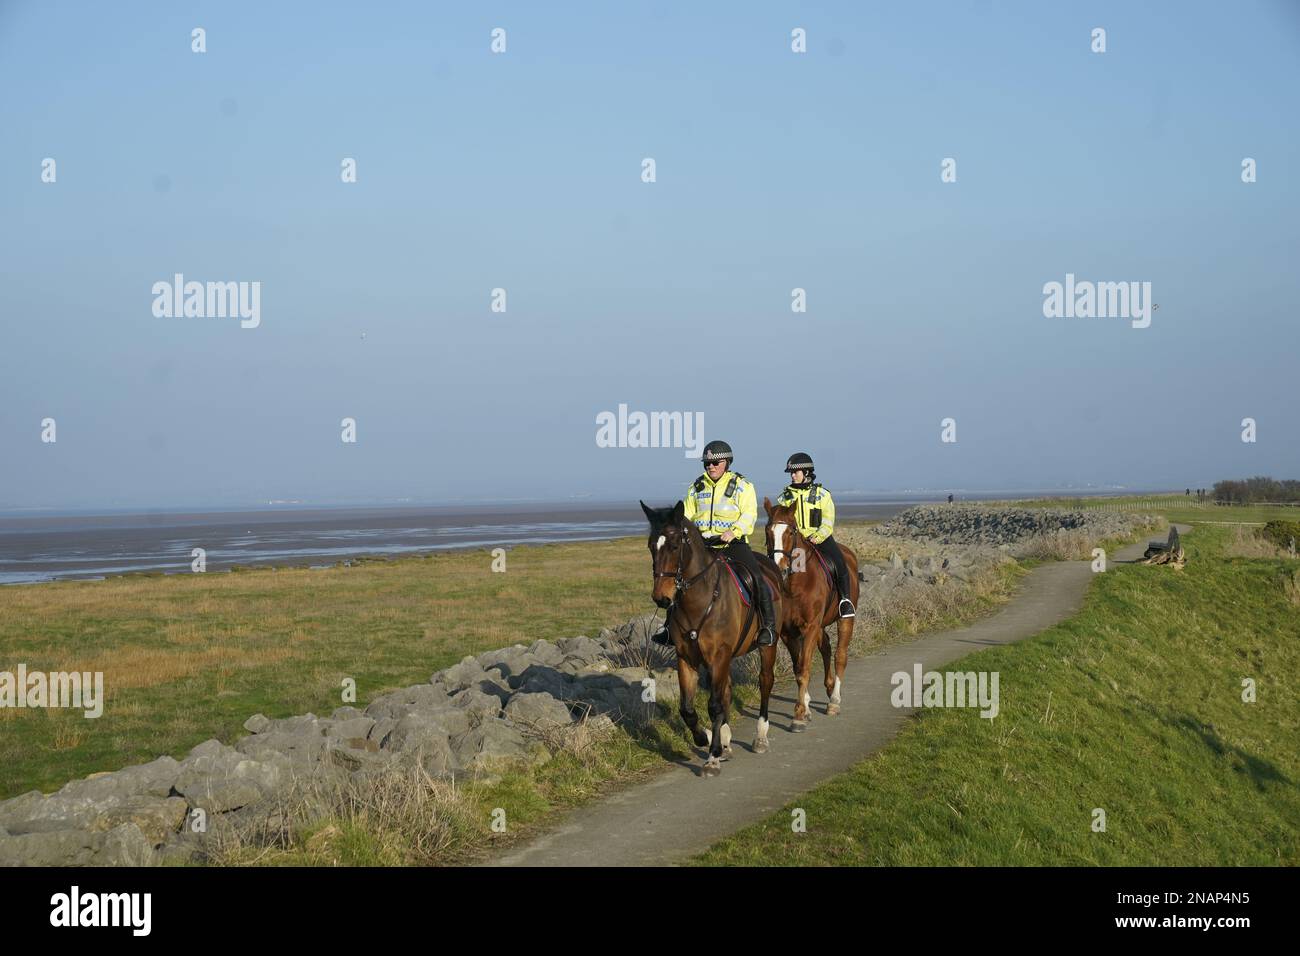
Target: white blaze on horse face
[778, 535]
[660, 543]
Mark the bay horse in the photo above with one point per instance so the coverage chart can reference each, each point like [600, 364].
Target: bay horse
[811, 605]
[710, 625]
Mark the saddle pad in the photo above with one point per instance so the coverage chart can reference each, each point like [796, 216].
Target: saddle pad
[744, 591]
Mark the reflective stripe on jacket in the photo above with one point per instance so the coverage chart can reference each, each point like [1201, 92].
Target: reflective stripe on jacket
[714, 511]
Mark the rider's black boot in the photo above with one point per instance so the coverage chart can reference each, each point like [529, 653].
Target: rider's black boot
[842, 585]
[661, 636]
[767, 619]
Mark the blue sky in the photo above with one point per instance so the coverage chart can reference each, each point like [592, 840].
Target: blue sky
[522, 170]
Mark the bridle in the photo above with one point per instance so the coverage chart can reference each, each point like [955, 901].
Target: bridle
[795, 537]
[682, 585]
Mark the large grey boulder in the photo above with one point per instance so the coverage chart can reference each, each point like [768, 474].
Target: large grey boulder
[56, 813]
[157, 818]
[123, 845]
[154, 778]
[217, 778]
[540, 679]
[582, 649]
[80, 803]
[415, 729]
[304, 724]
[537, 710]
[354, 728]
[257, 724]
[495, 684]
[616, 692]
[302, 750]
[545, 653]
[488, 744]
[398, 704]
[17, 809]
[426, 739]
[462, 675]
[507, 661]
[477, 705]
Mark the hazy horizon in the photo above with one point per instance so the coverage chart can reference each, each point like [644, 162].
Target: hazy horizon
[496, 504]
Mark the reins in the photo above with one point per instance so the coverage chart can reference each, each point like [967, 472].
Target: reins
[683, 584]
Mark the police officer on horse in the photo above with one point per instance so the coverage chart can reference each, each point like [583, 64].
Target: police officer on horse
[815, 518]
[724, 507]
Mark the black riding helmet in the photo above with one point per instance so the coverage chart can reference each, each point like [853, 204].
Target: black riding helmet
[717, 451]
[801, 461]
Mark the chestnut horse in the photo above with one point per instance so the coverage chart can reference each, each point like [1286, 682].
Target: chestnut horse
[710, 625]
[811, 605]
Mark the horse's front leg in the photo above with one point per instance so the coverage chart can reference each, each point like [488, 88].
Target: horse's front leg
[687, 682]
[803, 674]
[843, 636]
[719, 707]
[828, 666]
[766, 678]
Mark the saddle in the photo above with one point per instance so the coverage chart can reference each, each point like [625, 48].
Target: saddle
[740, 577]
[826, 567]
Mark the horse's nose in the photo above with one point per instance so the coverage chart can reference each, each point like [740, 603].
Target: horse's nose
[662, 601]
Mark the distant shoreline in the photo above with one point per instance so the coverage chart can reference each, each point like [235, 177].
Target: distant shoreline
[37, 549]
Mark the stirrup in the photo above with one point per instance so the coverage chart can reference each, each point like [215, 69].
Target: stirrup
[846, 603]
[770, 632]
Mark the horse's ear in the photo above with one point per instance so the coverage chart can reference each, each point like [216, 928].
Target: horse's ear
[679, 511]
[650, 513]
[767, 506]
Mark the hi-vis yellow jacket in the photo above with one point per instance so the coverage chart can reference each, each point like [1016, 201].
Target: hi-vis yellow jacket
[814, 511]
[728, 504]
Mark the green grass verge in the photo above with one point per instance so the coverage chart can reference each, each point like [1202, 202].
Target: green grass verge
[1133, 706]
[188, 657]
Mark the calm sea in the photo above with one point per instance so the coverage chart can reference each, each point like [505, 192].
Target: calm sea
[36, 548]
